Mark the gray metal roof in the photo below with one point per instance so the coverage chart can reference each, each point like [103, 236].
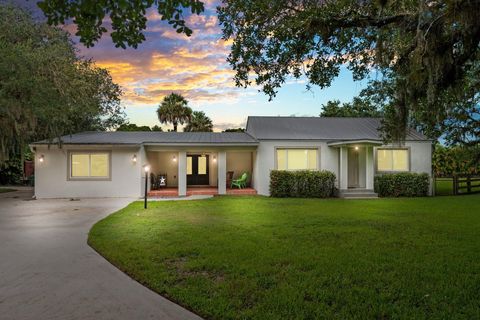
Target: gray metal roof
[319, 128]
[137, 137]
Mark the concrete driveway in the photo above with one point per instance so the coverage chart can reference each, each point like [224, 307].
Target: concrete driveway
[47, 270]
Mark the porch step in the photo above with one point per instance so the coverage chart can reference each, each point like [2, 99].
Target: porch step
[358, 194]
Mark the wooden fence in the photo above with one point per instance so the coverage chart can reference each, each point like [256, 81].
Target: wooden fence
[466, 184]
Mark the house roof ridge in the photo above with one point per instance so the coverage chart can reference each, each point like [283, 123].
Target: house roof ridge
[313, 117]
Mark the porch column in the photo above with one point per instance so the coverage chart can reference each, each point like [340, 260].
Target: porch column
[343, 172]
[369, 168]
[182, 173]
[222, 172]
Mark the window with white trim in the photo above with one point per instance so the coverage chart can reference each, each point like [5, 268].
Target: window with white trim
[90, 165]
[393, 160]
[297, 159]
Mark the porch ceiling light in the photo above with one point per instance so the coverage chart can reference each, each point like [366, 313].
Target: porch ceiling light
[174, 158]
[214, 158]
[146, 168]
[356, 148]
[42, 157]
[134, 158]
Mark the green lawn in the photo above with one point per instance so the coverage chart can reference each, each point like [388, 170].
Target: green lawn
[264, 258]
[443, 186]
[3, 190]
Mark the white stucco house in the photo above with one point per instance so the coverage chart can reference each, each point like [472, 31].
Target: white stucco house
[111, 164]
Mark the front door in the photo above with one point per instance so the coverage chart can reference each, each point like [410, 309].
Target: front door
[197, 170]
[353, 168]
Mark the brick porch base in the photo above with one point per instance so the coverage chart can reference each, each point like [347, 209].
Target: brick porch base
[173, 192]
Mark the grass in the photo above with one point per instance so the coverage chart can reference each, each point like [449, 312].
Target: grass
[264, 258]
[3, 190]
[444, 186]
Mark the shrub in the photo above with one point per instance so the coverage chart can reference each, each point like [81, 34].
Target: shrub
[11, 172]
[302, 184]
[404, 184]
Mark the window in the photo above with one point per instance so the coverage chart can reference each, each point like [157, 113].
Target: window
[90, 165]
[202, 165]
[392, 160]
[297, 159]
[189, 165]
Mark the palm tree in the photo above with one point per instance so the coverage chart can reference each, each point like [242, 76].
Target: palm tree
[174, 109]
[199, 122]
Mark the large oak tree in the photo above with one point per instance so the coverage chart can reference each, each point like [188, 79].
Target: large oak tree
[427, 50]
[128, 19]
[45, 90]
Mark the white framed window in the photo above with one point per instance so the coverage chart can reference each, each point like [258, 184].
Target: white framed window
[393, 159]
[89, 165]
[296, 159]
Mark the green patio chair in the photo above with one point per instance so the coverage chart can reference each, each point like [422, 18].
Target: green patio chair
[241, 182]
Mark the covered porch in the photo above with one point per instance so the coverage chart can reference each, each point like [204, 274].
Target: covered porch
[186, 171]
[356, 168]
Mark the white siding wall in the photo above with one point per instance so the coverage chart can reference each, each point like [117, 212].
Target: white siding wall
[420, 160]
[265, 160]
[420, 157]
[51, 175]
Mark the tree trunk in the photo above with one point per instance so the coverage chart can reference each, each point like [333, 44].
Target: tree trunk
[175, 126]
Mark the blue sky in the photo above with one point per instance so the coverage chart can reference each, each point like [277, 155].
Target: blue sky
[196, 67]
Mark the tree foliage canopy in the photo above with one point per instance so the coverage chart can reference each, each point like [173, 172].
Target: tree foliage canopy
[199, 122]
[357, 108]
[174, 109]
[426, 49]
[134, 127]
[46, 91]
[128, 18]
[458, 160]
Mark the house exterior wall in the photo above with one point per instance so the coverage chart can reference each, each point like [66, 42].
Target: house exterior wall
[265, 159]
[420, 160]
[128, 177]
[51, 175]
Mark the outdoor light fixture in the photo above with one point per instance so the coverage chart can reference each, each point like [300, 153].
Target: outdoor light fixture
[214, 158]
[356, 148]
[174, 158]
[134, 158]
[146, 168]
[42, 157]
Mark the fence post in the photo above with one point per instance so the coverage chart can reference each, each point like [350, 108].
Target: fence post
[469, 185]
[455, 185]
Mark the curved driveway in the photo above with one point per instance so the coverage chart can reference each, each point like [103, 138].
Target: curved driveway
[47, 270]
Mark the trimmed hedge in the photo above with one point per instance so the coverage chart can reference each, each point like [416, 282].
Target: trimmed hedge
[302, 184]
[403, 184]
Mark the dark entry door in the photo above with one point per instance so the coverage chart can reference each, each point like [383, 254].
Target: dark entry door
[197, 170]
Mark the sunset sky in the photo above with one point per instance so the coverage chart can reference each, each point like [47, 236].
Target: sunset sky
[196, 67]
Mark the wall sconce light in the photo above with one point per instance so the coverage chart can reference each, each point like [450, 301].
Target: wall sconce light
[174, 158]
[356, 148]
[42, 157]
[134, 158]
[214, 158]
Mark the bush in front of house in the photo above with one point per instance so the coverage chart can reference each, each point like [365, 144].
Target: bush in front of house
[405, 184]
[302, 184]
